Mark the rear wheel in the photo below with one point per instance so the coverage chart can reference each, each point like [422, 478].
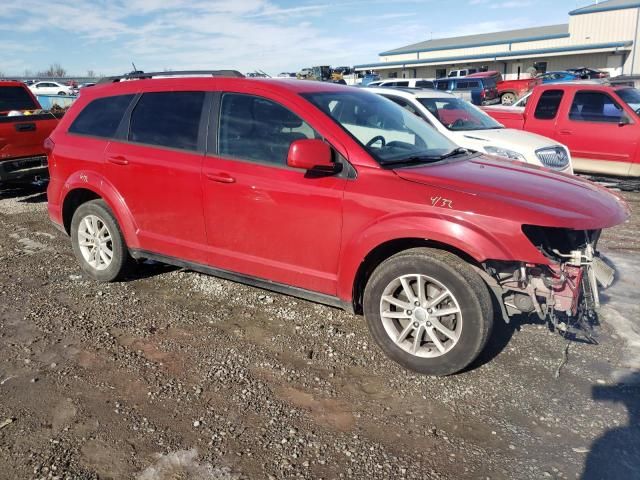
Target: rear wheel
[508, 98]
[97, 241]
[428, 310]
[62, 93]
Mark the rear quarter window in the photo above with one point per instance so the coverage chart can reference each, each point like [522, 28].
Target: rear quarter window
[101, 117]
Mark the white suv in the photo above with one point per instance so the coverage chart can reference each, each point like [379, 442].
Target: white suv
[404, 82]
[471, 128]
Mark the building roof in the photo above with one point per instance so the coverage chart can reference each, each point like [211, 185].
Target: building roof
[497, 55]
[486, 39]
[606, 6]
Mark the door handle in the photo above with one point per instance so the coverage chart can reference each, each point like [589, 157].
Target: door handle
[118, 160]
[25, 127]
[564, 132]
[221, 177]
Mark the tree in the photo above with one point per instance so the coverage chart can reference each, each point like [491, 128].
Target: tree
[54, 70]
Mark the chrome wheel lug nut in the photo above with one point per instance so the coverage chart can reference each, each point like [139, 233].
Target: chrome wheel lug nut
[409, 312]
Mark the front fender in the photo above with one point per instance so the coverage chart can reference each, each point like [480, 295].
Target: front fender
[93, 181]
[453, 231]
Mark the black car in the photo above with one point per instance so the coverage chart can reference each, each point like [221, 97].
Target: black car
[588, 73]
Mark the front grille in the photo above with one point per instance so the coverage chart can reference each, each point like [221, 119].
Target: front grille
[553, 157]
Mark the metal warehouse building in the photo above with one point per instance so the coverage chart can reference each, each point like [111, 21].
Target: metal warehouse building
[602, 36]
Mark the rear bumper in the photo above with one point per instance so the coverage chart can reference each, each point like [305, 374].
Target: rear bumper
[24, 169]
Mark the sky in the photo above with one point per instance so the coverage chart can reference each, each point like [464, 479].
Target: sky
[105, 36]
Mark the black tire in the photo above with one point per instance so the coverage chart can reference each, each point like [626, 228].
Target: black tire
[120, 260]
[62, 93]
[472, 294]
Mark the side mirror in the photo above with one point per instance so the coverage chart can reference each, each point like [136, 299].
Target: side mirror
[624, 120]
[311, 154]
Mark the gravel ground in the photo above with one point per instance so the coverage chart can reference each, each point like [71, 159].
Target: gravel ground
[176, 375]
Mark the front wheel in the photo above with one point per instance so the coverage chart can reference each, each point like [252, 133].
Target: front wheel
[62, 93]
[428, 310]
[97, 242]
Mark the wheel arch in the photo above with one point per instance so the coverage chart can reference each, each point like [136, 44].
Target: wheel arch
[84, 191]
[389, 248]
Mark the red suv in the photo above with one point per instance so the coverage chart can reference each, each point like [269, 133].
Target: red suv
[329, 193]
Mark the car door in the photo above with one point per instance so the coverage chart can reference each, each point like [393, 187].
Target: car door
[155, 165]
[264, 219]
[601, 136]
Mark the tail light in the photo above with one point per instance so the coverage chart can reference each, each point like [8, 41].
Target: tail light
[483, 94]
[48, 145]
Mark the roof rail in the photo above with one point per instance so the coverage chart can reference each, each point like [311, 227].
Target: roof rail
[178, 73]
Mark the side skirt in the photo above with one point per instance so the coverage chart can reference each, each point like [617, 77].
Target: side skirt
[246, 279]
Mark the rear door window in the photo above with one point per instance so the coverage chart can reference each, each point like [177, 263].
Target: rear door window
[257, 129]
[595, 107]
[167, 119]
[548, 105]
[442, 85]
[424, 84]
[15, 98]
[101, 117]
[462, 85]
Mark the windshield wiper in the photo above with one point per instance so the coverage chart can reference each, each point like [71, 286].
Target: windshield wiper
[454, 153]
[425, 158]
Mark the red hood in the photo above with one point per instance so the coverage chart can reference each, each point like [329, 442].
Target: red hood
[522, 192]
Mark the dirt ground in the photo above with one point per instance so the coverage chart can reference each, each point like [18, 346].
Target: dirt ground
[176, 375]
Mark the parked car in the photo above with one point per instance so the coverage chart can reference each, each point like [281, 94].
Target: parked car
[599, 123]
[287, 75]
[404, 82]
[556, 77]
[23, 129]
[588, 73]
[471, 128]
[368, 78]
[462, 73]
[479, 91]
[50, 88]
[509, 91]
[328, 193]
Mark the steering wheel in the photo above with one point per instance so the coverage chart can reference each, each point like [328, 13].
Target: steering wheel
[458, 123]
[375, 139]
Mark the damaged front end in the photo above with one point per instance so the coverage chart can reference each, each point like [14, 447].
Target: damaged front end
[564, 291]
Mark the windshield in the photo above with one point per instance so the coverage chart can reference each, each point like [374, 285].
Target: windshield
[389, 132]
[16, 98]
[631, 97]
[456, 114]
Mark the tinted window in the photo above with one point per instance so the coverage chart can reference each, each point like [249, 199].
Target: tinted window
[424, 84]
[442, 85]
[167, 119]
[595, 107]
[101, 117]
[254, 128]
[473, 84]
[548, 104]
[402, 84]
[462, 85]
[15, 98]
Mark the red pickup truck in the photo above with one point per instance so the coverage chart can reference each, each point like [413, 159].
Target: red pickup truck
[509, 90]
[23, 129]
[599, 123]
